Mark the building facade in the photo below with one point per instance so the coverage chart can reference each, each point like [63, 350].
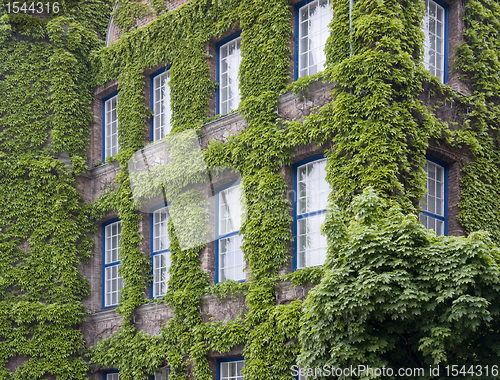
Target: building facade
[223, 258]
[171, 73]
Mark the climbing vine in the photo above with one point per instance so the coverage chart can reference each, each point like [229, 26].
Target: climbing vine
[45, 93]
[375, 132]
[479, 62]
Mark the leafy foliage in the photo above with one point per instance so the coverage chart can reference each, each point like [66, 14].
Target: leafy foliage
[45, 92]
[479, 61]
[394, 295]
[435, 297]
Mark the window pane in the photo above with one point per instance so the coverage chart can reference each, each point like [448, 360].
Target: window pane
[112, 242]
[161, 267]
[311, 244]
[434, 24]
[231, 370]
[230, 58]
[110, 127]
[161, 104]
[163, 374]
[314, 19]
[434, 224]
[161, 240]
[224, 370]
[112, 285]
[229, 210]
[312, 187]
[231, 261]
[434, 200]
[435, 189]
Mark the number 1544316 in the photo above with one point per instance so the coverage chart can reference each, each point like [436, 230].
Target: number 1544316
[17, 7]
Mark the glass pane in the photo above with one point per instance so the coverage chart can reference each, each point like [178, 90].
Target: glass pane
[224, 370]
[232, 369]
[223, 94]
[229, 210]
[304, 13]
[240, 367]
[231, 259]
[312, 9]
[313, 188]
[303, 32]
[311, 245]
[313, 34]
[229, 66]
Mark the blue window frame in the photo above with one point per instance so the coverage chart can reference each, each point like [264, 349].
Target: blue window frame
[161, 122]
[229, 259]
[109, 126]
[311, 197]
[435, 28]
[228, 58]
[230, 368]
[111, 280]
[160, 250]
[312, 18]
[434, 214]
[111, 375]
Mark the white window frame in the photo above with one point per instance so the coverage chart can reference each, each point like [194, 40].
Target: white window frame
[228, 75]
[310, 213]
[111, 263]
[434, 28]
[230, 256]
[231, 370]
[162, 112]
[113, 376]
[110, 125]
[312, 34]
[434, 204]
[160, 252]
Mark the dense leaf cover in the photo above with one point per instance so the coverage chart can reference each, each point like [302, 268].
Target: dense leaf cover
[394, 295]
[436, 297]
[45, 92]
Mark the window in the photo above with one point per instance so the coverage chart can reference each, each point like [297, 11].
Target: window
[312, 198]
[435, 43]
[230, 369]
[434, 205]
[112, 376]
[311, 31]
[110, 127]
[164, 374]
[160, 104]
[160, 254]
[229, 256]
[112, 280]
[228, 65]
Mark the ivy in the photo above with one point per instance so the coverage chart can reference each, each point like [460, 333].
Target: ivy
[223, 290]
[395, 296]
[45, 93]
[375, 132]
[479, 62]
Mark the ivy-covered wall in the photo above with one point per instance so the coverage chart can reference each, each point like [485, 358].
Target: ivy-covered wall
[376, 123]
[45, 92]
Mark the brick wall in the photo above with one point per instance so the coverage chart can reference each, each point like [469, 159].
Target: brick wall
[455, 38]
